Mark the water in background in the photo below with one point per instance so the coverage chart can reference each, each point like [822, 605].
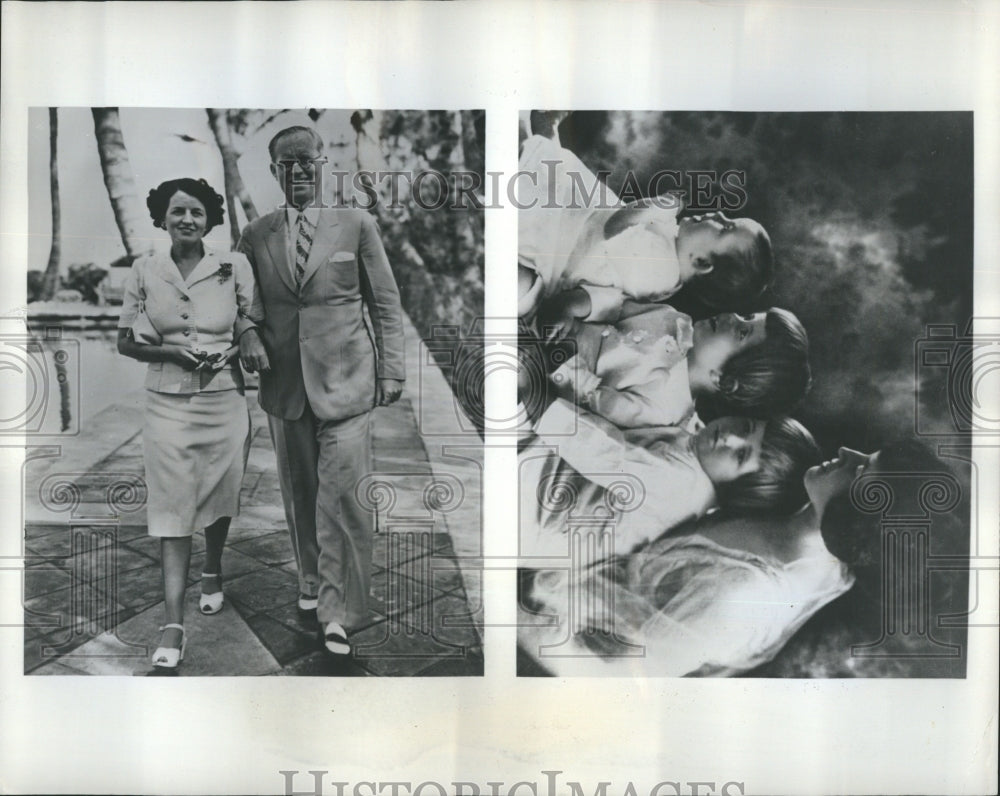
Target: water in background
[82, 375]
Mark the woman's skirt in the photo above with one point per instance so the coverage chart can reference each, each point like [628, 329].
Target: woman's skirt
[195, 448]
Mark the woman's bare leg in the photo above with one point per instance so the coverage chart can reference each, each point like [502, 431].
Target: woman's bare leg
[175, 558]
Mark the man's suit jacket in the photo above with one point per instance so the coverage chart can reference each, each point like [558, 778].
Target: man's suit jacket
[316, 338]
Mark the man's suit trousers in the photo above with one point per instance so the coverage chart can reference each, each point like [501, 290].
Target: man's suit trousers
[320, 463]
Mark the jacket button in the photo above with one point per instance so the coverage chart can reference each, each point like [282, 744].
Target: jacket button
[184, 298]
[187, 332]
[185, 315]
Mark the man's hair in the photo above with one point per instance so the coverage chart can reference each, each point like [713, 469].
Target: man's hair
[770, 377]
[272, 145]
[787, 451]
[159, 198]
[736, 279]
[852, 534]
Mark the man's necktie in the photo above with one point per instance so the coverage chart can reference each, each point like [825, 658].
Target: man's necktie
[303, 243]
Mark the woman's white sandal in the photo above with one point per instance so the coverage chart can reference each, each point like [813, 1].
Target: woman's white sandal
[170, 657]
[211, 603]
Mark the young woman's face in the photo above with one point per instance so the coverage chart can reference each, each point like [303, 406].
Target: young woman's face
[185, 219]
[716, 339]
[828, 479]
[729, 447]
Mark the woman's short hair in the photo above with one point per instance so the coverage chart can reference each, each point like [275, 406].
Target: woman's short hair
[852, 534]
[775, 487]
[159, 200]
[736, 279]
[771, 377]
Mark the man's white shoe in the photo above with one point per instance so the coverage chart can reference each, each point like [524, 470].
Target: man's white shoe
[335, 639]
[308, 603]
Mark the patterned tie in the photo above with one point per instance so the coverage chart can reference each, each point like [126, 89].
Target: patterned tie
[303, 243]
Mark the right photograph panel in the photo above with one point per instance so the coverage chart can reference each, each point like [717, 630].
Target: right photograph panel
[745, 360]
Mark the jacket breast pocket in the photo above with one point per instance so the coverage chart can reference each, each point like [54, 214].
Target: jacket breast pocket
[340, 274]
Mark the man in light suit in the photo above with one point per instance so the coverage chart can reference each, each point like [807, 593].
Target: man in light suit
[322, 371]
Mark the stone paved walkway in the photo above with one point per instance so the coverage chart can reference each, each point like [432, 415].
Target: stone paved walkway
[92, 585]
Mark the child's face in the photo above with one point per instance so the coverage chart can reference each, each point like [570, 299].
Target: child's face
[729, 447]
[706, 236]
[716, 339]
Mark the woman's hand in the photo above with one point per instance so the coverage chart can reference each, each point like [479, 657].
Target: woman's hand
[219, 361]
[253, 355]
[180, 355]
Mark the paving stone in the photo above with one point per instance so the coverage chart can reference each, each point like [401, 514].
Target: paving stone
[284, 644]
[392, 549]
[74, 607]
[270, 517]
[234, 565]
[454, 623]
[95, 568]
[51, 546]
[55, 668]
[35, 651]
[394, 594]
[40, 626]
[288, 615]
[261, 459]
[56, 646]
[137, 589]
[222, 644]
[250, 481]
[128, 532]
[391, 649]
[445, 575]
[469, 665]
[44, 579]
[262, 590]
[267, 488]
[320, 664]
[149, 546]
[36, 530]
[274, 548]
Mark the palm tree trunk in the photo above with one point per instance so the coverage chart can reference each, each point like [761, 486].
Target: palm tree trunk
[119, 181]
[51, 281]
[234, 187]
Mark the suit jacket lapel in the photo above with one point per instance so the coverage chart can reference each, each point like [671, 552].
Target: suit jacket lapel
[277, 247]
[208, 266]
[324, 238]
[169, 272]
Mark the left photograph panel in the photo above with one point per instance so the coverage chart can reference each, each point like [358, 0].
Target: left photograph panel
[254, 406]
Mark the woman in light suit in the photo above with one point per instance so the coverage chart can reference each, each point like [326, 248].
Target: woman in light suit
[183, 313]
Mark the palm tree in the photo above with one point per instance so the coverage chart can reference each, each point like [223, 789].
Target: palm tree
[118, 179]
[50, 282]
[222, 128]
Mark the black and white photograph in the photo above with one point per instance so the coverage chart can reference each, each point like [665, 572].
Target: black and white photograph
[510, 398]
[245, 345]
[745, 391]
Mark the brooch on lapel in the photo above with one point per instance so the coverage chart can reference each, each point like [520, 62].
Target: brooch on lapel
[225, 271]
